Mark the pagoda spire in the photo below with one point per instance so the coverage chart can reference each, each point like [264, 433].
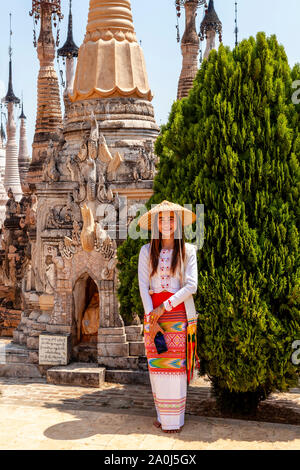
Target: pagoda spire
[111, 54]
[189, 49]
[11, 176]
[23, 159]
[49, 117]
[69, 51]
[210, 26]
[10, 96]
[69, 48]
[2, 155]
[236, 29]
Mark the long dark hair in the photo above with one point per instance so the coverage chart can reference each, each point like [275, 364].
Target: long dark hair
[156, 245]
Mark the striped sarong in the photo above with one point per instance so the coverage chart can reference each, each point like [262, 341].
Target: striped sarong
[168, 374]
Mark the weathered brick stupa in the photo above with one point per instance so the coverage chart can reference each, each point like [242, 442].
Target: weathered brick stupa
[3, 194]
[11, 176]
[190, 44]
[189, 48]
[13, 241]
[23, 158]
[2, 148]
[48, 117]
[90, 189]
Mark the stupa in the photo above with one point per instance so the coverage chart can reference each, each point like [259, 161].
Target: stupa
[190, 44]
[3, 194]
[11, 176]
[189, 48]
[24, 158]
[48, 117]
[91, 186]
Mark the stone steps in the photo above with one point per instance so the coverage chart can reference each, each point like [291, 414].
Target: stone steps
[77, 374]
[137, 377]
[91, 375]
[13, 361]
[86, 352]
[19, 369]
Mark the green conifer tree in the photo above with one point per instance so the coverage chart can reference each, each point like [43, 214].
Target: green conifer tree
[234, 145]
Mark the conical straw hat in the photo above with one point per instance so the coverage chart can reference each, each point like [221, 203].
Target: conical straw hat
[187, 216]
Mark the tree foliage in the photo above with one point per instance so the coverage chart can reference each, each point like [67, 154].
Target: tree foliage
[233, 145]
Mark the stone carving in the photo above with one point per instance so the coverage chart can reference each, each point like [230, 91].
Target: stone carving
[54, 268]
[12, 206]
[63, 216]
[94, 138]
[104, 153]
[13, 258]
[49, 275]
[104, 194]
[50, 170]
[92, 237]
[82, 154]
[72, 165]
[114, 106]
[30, 214]
[114, 165]
[145, 168]
[91, 166]
[87, 236]
[58, 217]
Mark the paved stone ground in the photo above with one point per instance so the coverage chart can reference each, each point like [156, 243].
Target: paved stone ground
[37, 415]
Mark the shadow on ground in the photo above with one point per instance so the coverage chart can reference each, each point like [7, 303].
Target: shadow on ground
[128, 411]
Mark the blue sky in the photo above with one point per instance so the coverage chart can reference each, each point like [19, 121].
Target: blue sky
[155, 22]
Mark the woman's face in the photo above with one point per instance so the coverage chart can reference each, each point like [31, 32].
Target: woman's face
[167, 224]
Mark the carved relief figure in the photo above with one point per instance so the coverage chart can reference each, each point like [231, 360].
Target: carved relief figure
[30, 214]
[49, 275]
[51, 172]
[72, 165]
[145, 168]
[13, 257]
[12, 206]
[91, 166]
[94, 138]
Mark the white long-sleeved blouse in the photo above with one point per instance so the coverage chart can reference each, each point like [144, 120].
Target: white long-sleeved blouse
[162, 279]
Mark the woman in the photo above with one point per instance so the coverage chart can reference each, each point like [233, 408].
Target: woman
[168, 266]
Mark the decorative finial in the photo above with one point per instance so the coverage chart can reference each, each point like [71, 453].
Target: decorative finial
[236, 30]
[69, 49]
[22, 115]
[10, 35]
[211, 22]
[10, 96]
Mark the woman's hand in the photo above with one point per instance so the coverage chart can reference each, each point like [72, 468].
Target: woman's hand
[156, 314]
[154, 329]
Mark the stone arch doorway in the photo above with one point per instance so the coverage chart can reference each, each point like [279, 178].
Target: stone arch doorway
[86, 317]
